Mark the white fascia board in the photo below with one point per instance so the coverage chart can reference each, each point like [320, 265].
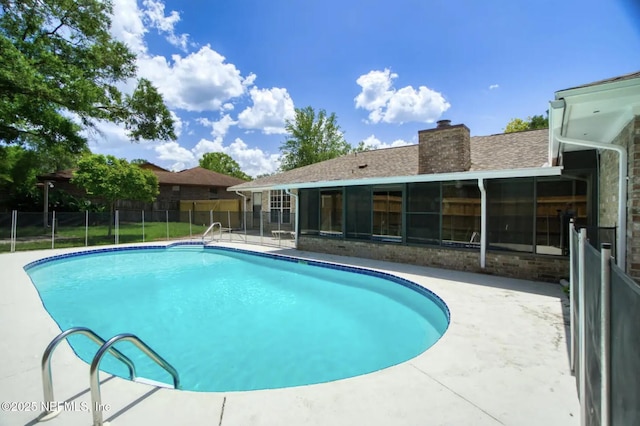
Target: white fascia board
[437, 177]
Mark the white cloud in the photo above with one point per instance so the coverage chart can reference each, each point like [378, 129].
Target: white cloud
[374, 143]
[386, 104]
[494, 86]
[177, 123]
[252, 161]
[218, 128]
[172, 151]
[228, 106]
[199, 81]
[248, 81]
[155, 17]
[127, 25]
[271, 107]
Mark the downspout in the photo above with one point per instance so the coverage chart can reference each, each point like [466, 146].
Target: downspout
[621, 243]
[244, 212]
[483, 223]
[295, 218]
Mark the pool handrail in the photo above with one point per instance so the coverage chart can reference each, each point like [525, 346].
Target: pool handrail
[210, 229]
[47, 382]
[94, 372]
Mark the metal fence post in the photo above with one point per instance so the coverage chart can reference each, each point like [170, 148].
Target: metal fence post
[572, 284]
[117, 226]
[86, 228]
[167, 218]
[582, 326]
[53, 229]
[190, 233]
[261, 226]
[143, 226]
[14, 229]
[229, 222]
[605, 334]
[210, 217]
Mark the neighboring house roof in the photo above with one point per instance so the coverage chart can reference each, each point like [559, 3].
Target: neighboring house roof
[496, 152]
[196, 176]
[152, 167]
[60, 175]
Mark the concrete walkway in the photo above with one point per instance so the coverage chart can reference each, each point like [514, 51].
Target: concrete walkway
[503, 361]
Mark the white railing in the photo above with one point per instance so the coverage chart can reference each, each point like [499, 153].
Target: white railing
[210, 230]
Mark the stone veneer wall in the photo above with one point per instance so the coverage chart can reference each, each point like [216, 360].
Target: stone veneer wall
[444, 149]
[516, 265]
[629, 138]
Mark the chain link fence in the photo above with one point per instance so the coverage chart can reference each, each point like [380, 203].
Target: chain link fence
[36, 231]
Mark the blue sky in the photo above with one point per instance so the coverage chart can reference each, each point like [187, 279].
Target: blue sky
[232, 72]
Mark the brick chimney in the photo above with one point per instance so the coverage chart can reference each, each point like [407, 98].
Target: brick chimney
[444, 149]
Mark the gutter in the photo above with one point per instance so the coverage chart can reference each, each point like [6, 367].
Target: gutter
[295, 217]
[244, 211]
[621, 237]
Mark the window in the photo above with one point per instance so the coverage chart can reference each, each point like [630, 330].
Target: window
[461, 213]
[331, 212]
[213, 193]
[557, 202]
[510, 219]
[309, 211]
[423, 213]
[280, 206]
[358, 212]
[387, 214]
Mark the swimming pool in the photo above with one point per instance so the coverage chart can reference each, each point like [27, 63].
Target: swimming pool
[232, 320]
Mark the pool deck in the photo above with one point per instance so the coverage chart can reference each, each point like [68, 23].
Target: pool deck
[503, 361]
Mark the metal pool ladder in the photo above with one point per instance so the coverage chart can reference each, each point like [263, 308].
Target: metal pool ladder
[105, 346]
[210, 229]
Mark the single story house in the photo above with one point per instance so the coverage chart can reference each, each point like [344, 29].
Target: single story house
[187, 185]
[499, 204]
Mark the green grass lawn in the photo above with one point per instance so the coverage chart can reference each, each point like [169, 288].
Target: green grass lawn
[35, 238]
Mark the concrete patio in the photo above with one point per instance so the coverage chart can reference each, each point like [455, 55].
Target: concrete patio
[503, 361]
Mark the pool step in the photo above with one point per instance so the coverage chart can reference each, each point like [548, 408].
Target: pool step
[150, 382]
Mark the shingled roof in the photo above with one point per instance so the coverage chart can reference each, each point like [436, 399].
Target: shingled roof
[496, 152]
[196, 176]
[624, 77]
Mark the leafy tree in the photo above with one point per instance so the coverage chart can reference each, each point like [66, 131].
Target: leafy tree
[531, 123]
[311, 138]
[539, 122]
[361, 148]
[222, 163]
[59, 75]
[114, 179]
[19, 168]
[18, 171]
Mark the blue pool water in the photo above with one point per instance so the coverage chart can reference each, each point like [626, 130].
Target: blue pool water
[229, 320]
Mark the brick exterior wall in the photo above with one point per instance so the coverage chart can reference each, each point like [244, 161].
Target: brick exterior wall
[629, 138]
[516, 265]
[444, 149]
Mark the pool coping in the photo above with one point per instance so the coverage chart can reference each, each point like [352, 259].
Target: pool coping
[472, 375]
